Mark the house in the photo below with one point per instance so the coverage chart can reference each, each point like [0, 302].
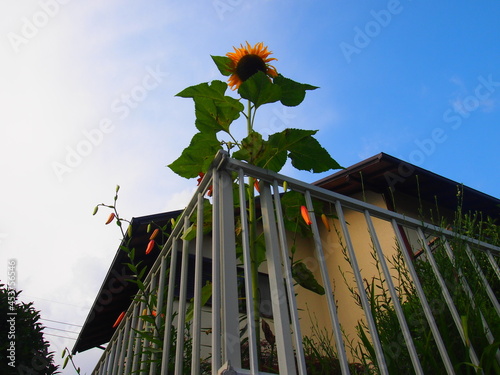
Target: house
[380, 206]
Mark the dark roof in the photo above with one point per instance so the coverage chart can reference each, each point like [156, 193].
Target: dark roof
[384, 172]
[378, 173]
[116, 292]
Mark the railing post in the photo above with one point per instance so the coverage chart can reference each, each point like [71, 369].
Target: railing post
[216, 276]
[231, 337]
[245, 231]
[196, 327]
[278, 293]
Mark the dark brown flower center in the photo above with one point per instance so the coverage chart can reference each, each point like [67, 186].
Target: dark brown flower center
[249, 65]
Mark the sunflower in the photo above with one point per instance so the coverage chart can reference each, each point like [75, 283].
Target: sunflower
[248, 60]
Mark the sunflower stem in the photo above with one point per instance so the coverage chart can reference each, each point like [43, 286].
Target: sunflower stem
[249, 118]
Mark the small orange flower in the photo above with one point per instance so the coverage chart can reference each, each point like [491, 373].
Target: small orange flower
[248, 60]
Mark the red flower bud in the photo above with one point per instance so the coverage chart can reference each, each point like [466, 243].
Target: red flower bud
[154, 234]
[200, 177]
[256, 185]
[305, 215]
[150, 247]
[120, 318]
[325, 222]
[110, 218]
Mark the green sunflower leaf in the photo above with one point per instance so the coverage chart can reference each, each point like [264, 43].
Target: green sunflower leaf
[223, 64]
[216, 115]
[252, 146]
[292, 93]
[197, 156]
[206, 294]
[306, 153]
[214, 111]
[283, 142]
[214, 90]
[260, 90]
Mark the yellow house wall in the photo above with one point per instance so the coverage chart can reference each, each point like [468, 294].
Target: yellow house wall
[349, 312]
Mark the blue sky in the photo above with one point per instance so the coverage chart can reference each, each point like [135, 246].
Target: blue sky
[88, 102]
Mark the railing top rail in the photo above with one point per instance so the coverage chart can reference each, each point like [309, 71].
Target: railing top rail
[348, 202]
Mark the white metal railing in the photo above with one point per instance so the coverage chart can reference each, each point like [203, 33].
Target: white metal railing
[129, 352]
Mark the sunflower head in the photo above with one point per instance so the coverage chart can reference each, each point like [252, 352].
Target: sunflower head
[248, 60]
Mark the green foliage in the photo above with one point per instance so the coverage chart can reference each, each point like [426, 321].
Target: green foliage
[152, 322]
[260, 90]
[305, 278]
[23, 349]
[320, 354]
[473, 312]
[292, 93]
[197, 156]
[215, 112]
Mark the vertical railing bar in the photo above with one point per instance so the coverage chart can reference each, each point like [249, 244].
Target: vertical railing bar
[181, 318]
[423, 300]
[361, 290]
[132, 335]
[124, 344]
[111, 358]
[159, 306]
[292, 301]
[467, 289]
[446, 294]
[148, 292]
[395, 298]
[231, 347]
[196, 326]
[167, 335]
[493, 262]
[337, 331]
[278, 293]
[105, 360]
[118, 345]
[216, 287]
[489, 291]
[112, 370]
[254, 364]
[470, 294]
[138, 341]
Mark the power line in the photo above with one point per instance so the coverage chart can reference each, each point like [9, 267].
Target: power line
[56, 321]
[64, 337]
[63, 330]
[49, 300]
